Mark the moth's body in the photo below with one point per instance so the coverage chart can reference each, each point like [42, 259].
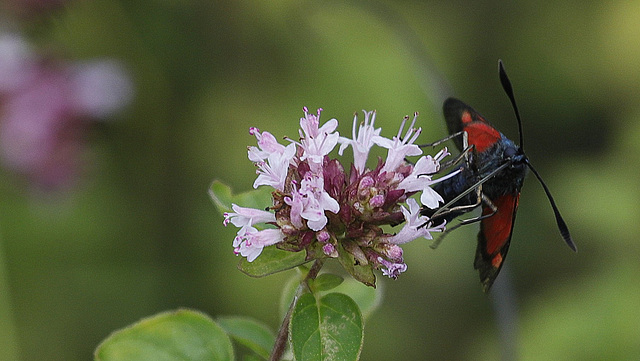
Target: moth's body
[491, 176]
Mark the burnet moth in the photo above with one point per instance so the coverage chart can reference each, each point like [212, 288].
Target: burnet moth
[491, 176]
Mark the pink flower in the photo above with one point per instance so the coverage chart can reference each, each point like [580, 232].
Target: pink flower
[401, 147]
[296, 202]
[316, 142]
[274, 171]
[267, 145]
[45, 106]
[414, 226]
[420, 179]
[100, 87]
[361, 142]
[251, 242]
[316, 201]
[330, 250]
[392, 270]
[271, 158]
[40, 133]
[242, 216]
[18, 63]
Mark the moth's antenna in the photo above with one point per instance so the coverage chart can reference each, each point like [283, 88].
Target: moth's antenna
[562, 226]
[506, 85]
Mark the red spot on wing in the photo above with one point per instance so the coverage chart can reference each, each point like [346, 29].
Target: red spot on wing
[497, 228]
[496, 261]
[466, 117]
[482, 135]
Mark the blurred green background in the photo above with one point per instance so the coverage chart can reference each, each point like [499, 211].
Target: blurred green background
[139, 235]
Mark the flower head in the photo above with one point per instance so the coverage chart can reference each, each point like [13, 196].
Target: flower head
[320, 208]
[45, 107]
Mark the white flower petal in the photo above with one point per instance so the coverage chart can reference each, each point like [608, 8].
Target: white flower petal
[430, 198]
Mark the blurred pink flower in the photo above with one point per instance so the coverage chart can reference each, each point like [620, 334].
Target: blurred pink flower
[44, 108]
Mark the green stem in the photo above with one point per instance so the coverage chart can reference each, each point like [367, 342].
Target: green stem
[283, 333]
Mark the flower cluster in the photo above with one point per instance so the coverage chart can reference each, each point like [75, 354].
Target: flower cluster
[329, 212]
[44, 107]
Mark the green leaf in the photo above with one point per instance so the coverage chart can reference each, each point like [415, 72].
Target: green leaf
[223, 197]
[254, 335]
[270, 261]
[327, 329]
[326, 282]
[182, 335]
[367, 298]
